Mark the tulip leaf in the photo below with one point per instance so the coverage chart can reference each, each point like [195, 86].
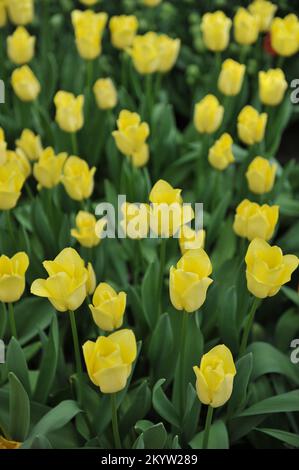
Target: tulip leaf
[161, 349]
[238, 398]
[218, 438]
[163, 405]
[32, 315]
[39, 442]
[140, 402]
[153, 436]
[286, 328]
[284, 436]
[17, 364]
[192, 411]
[19, 409]
[291, 294]
[149, 294]
[282, 403]
[217, 217]
[228, 322]
[3, 320]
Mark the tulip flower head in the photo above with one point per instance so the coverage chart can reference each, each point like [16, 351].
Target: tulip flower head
[89, 28]
[87, 229]
[216, 29]
[261, 175]
[20, 46]
[285, 35]
[78, 178]
[272, 87]
[251, 125]
[108, 307]
[263, 11]
[30, 144]
[246, 27]
[231, 77]
[48, 169]
[21, 12]
[12, 276]
[220, 154]
[123, 29]
[105, 93]
[12, 180]
[255, 221]
[69, 111]
[25, 84]
[208, 115]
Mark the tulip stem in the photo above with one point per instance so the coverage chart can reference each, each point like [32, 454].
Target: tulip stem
[248, 326]
[161, 272]
[181, 370]
[75, 149]
[76, 344]
[207, 428]
[115, 429]
[12, 321]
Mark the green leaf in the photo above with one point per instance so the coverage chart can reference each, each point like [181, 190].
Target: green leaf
[17, 364]
[192, 411]
[286, 329]
[228, 323]
[149, 294]
[217, 217]
[139, 407]
[39, 442]
[278, 404]
[238, 398]
[284, 436]
[32, 315]
[154, 436]
[19, 409]
[163, 406]
[161, 349]
[218, 438]
[291, 294]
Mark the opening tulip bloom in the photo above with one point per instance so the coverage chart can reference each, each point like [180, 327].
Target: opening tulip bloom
[25, 84]
[66, 285]
[123, 29]
[231, 77]
[261, 175]
[189, 280]
[21, 12]
[20, 46]
[208, 115]
[12, 277]
[285, 35]
[216, 29]
[263, 11]
[252, 220]
[88, 229]
[267, 269]
[11, 182]
[78, 178]
[220, 154]
[105, 93]
[48, 169]
[89, 28]
[272, 87]
[215, 376]
[69, 111]
[30, 144]
[251, 125]
[246, 27]
[109, 360]
[108, 307]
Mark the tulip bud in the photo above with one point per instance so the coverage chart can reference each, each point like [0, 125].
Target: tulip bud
[231, 77]
[109, 360]
[25, 84]
[272, 86]
[208, 115]
[11, 183]
[261, 175]
[20, 46]
[246, 27]
[145, 53]
[91, 282]
[12, 277]
[190, 239]
[105, 93]
[19, 158]
[30, 144]
[215, 376]
[123, 29]
[108, 307]
[267, 269]
[220, 154]
[285, 35]
[251, 125]
[255, 221]
[78, 179]
[87, 229]
[168, 52]
[48, 169]
[263, 11]
[69, 111]
[21, 12]
[216, 28]
[89, 28]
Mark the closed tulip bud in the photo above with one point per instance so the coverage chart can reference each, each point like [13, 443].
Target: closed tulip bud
[109, 360]
[48, 169]
[18, 157]
[151, 3]
[12, 277]
[21, 12]
[261, 175]
[263, 11]
[20, 46]
[215, 376]
[78, 178]
[85, 231]
[123, 29]
[190, 239]
[251, 125]
[168, 52]
[11, 183]
[108, 307]
[30, 144]
[105, 93]
[91, 282]
[135, 223]
[272, 86]
[11, 445]
[66, 285]
[285, 35]
[3, 21]
[189, 280]
[246, 27]
[69, 111]
[89, 28]
[215, 29]
[131, 136]
[231, 77]
[145, 53]
[267, 269]
[25, 84]
[208, 115]
[220, 154]
[255, 221]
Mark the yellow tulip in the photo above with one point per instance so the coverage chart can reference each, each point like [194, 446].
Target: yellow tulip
[85, 231]
[25, 84]
[267, 269]
[220, 154]
[189, 280]
[91, 282]
[208, 114]
[6, 444]
[263, 11]
[48, 169]
[285, 35]
[131, 136]
[255, 221]
[89, 28]
[231, 77]
[30, 144]
[168, 52]
[135, 223]
[109, 360]
[151, 3]
[163, 192]
[69, 111]
[20, 46]
[18, 157]
[105, 93]
[272, 86]
[3, 147]
[21, 12]
[108, 307]
[216, 29]
[145, 53]
[251, 125]
[190, 239]
[12, 276]
[123, 29]
[3, 21]
[78, 178]
[261, 175]
[66, 285]
[11, 183]
[246, 27]
[215, 376]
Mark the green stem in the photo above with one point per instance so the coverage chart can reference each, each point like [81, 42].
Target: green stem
[9, 225]
[149, 94]
[161, 271]
[89, 75]
[75, 149]
[12, 321]
[248, 326]
[207, 428]
[115, 429]
[183, 334]
[76, 344]
[280, 62]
